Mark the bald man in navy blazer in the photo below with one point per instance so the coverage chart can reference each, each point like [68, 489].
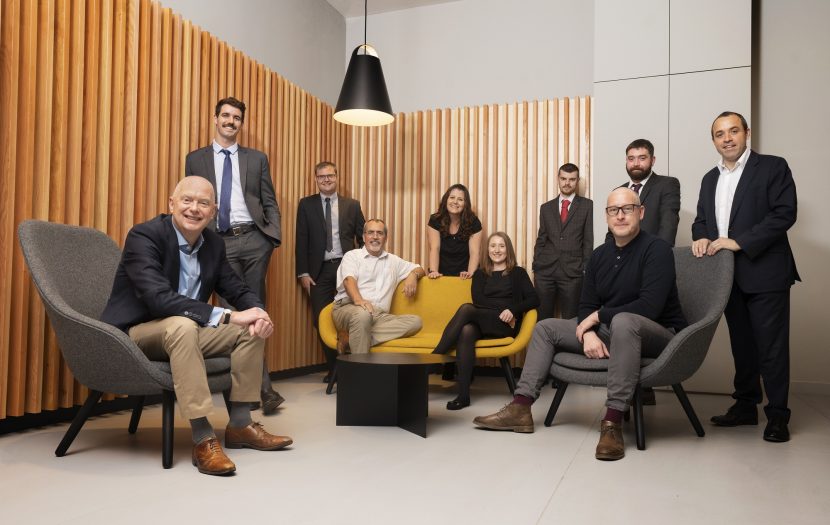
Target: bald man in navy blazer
[747, 203]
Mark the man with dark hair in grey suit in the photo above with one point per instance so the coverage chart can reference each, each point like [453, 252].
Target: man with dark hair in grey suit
[563, 247]
[249, 216]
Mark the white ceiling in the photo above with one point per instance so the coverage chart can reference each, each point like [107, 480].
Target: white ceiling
[352, 8]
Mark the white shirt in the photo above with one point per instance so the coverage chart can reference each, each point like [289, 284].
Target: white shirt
[336, 248]
[239, 210]
[377, 277]
[725, 192]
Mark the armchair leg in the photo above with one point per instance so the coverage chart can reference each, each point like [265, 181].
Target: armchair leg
[79, 420]
[168, 399]
[639, 426]
[136, 417]
[554, 406]
[687, 406]
[508, 374]
[332, 379]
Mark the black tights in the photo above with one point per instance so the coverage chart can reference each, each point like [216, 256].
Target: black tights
[462, 332]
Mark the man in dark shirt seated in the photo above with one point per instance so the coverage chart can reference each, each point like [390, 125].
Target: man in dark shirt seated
[170, 267]
[629, 308]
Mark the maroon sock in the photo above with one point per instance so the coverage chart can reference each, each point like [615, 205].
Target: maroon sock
[614, 416]
[522, 400]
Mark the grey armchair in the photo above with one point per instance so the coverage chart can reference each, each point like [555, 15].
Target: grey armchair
[73, 269]
[704, 286]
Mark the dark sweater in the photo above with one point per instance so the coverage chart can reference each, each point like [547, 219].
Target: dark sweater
[638, 278]
[513, 291]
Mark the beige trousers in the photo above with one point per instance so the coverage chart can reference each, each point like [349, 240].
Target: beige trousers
[367, 330]
[185, 344]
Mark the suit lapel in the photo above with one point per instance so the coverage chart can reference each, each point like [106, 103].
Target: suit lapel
[743, 184]
[243, 168]
[174, 266]
[645, 190]
[209, 166]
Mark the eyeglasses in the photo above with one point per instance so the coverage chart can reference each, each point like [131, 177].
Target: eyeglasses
[330, 176]
[628, 209]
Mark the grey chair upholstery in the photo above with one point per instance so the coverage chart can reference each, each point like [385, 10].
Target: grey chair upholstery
[704, 286]
[73, 269]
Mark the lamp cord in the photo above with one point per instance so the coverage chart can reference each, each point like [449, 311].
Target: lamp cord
[365, 19]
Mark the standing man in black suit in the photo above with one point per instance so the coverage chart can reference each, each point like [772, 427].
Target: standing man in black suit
[563, 247]
[328, 226]
[249, 216]
[660, 194]
[170, 267]
[747, 203]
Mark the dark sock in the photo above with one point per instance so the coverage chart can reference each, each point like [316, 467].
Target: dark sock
[522, 400]
[240, 414]
[201, 429]
[266, 378]
[613, 415]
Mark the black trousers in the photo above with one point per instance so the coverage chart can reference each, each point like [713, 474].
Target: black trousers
[555, 289]
[321, 295]
[759, 330]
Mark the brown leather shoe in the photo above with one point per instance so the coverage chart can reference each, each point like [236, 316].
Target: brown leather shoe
[209, 458]
[254, 436]
[513, 416]
[343, 342]
[610, 446]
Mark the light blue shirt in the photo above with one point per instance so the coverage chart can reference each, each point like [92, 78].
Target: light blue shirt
[190, 273]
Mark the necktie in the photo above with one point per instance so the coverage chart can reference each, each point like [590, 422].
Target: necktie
[563, 215]
[328, 225]
[225, 193]
[636, 188]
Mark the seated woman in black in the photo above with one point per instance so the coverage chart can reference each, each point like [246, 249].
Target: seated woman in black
[454, 236]
[502, 293]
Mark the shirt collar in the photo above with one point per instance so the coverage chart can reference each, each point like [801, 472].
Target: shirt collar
[741, 162]
[184, 246]
[366, 253]
[642, 182]
[233, 148]
[333, 197]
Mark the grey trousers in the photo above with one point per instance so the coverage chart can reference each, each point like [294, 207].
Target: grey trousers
[367, 330]
[629, 337]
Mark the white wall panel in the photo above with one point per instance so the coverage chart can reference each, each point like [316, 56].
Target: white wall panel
[710, 34]
[631, 39]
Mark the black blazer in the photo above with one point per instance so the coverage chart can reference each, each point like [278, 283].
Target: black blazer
[310, 246]
[661, 198]
[764, 208]
[571, 243]
[146, 285]
[256, 183]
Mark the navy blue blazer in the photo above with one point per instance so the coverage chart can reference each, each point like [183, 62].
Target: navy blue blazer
[147, 279]
[764, 208]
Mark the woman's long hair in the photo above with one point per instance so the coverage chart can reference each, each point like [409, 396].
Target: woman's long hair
[467, 215]
[510, 261]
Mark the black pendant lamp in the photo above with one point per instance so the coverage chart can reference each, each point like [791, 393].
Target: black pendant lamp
[364, 100]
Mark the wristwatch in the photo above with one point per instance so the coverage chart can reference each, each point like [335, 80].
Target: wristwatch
[226, 316]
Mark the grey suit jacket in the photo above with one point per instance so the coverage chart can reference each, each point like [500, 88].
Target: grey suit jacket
[569, 244]
[256, 183]
[310, 245]
[661, 198]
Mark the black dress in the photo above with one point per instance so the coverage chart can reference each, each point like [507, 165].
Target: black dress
[454, 256]
[492, 294]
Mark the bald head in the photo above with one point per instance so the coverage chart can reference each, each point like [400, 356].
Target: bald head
[623, 213]
[623, 194]
[193, 206]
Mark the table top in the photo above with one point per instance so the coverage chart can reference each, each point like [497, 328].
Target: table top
[396, 358]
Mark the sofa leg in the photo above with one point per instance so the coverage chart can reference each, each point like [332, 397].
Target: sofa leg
[554, 406]
[332, 379]
[508, 374]
[687, 406]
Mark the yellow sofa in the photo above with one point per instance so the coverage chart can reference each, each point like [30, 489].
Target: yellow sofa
[435, 303]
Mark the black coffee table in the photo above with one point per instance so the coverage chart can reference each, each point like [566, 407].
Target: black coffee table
[385, 389]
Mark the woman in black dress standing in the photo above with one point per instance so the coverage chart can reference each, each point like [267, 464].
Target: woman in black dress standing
[502, 293]
[454, 236]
